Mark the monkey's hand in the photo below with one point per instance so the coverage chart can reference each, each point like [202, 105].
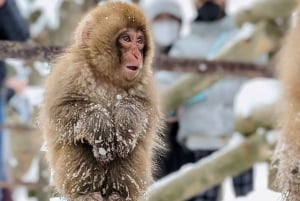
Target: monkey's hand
[104, 153]
[97, 127]
[131, 122]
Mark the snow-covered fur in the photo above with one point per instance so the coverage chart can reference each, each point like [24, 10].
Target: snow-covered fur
[101, 130]
[287, 154]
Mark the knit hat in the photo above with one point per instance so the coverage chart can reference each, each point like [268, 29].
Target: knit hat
[155, 7]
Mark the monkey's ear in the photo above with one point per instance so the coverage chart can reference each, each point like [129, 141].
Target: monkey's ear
[83, 31]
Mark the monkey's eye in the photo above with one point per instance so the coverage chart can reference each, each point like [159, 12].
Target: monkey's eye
[140, 40]
[125, 38]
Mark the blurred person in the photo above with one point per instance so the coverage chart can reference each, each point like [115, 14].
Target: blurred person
[166, 18]
[210, 31]
[12, 27]
[206, 122]
[166, 22]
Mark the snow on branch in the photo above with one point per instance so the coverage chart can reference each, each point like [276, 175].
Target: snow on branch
[27, 51]
[196, 178]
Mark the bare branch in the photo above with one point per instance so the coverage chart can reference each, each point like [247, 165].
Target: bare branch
[29, 185]
[25, 51]
[18, 50]
[17, 127]
[203, 66]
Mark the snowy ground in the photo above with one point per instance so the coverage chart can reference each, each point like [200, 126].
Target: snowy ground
[260, 193]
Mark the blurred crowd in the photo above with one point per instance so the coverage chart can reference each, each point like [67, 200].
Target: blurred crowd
[205, 122]
[201, 126]
[12, 27]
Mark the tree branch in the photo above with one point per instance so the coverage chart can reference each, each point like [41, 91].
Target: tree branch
[18, 50]
[202, 66]
[26, 51]
[29, 185]
[17, 127]
[197, 178]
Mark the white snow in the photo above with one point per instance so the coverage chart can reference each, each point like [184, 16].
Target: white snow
[102, 151]
[34, 94]
[233, 6]
[256, 93]
[42, 67]
[261, 192]
[50, 15]
[118, 97]
[20, 193]
[202, 67]
[55, 199]
[22, 71]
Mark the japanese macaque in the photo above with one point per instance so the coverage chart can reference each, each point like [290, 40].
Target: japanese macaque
[101, 115]
[287, 155]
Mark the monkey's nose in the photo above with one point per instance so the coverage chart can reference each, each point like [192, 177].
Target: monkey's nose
[137, 54]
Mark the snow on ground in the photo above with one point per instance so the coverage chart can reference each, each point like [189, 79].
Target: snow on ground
[260, 193]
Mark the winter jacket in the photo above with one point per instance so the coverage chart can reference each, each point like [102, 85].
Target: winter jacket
[208, 122]
[12, 27]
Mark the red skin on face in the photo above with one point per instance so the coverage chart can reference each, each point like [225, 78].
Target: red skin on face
[132, 43]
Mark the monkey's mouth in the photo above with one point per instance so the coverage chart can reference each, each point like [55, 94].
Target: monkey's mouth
[131, 71]
[133, 68]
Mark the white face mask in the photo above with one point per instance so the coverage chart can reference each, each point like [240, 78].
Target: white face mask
[165, 32]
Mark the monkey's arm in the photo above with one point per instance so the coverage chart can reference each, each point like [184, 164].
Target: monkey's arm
[131, 118]
[86, 122]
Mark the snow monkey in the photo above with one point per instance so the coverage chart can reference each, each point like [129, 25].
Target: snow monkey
[287, 153]
[101, 115]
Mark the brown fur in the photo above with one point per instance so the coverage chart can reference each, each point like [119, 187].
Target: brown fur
[287, 153]
[101, 129]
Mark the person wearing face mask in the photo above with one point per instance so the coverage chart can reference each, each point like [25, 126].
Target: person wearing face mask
[166, 19]
[166, 22]
[209, 11]
[166, 29]
[206, 123]
[210, 31]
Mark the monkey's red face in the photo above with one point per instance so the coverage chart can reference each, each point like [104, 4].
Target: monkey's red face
[131, 43]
